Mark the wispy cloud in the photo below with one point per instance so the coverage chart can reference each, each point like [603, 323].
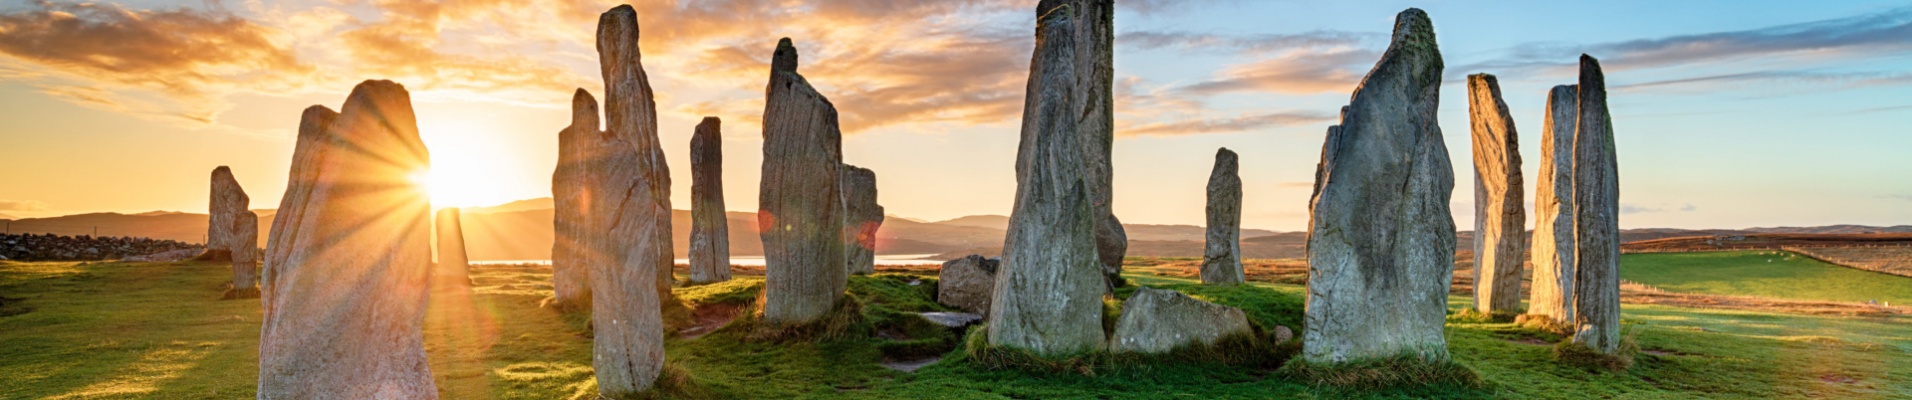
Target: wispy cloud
[1630, 208]
[1225, 125]
[21, 205]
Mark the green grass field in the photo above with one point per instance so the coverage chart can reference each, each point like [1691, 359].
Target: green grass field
[1775, 274]
[156, 331]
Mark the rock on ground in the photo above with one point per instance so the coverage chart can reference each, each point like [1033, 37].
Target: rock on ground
[861, 217]
[228, 200]
[349, 258]
[709, 227]
[1048, 292]
[1381, 242]
[1221, 262]
[800, 204]
[967, 283]
[1553, 243]
[1596, 198]
[454, 269]
[634, 224]
[571, 186]
[1500, 213]
[1157, 320]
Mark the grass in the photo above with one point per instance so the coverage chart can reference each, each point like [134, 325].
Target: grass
[1775, 274]
[157, 331]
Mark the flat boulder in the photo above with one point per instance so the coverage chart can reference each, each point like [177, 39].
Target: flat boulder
[1159, 320]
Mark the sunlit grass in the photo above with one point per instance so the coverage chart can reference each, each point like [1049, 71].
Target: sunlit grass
[1775, 274]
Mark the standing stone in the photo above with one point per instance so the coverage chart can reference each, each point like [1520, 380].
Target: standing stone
[1048, 292]
[1596, 198]
[245, 256]
[454, 269]
[966, 283]
[1221, 264]
[1093, 34]
[631, 215]
[709, 227]
[800, 205]
[571, 218]
[1500, 215]
[1157, 320]
[227, 201]
[1553, 254]
[1381, 240]
[349, 257]
[861, 217]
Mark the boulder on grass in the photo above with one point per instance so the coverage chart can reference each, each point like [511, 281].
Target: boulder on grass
[1158, 320]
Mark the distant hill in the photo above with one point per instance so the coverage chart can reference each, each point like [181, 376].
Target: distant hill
[4, 216]
[997, 222]
[541, 203]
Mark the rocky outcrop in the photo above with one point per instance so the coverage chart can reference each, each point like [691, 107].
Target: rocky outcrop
[571, 186]
[1596, 199]
[1157, 320]
[861, 217]
[1553, 242]
[800, 204]
[454, 269]
[1500, 214]
[1221, 261]
[709, 228]
[966, 283]
[228, 200]
[347, 265]
[1048, 292]
[1381, 239]
[630, 200]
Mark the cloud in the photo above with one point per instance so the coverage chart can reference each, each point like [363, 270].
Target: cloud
[21, 205]
[1629, 208]
[1225, 125]
[1254, 43]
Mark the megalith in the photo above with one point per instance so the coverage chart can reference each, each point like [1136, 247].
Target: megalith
[454, 269]
[571, 214]
[1048, 291]
[1553, 243]
[1221, 260]
[861, 217]
[349, 257]
[245, 256]
[800, 203]
[630, 214]
[709, 226]
[1158, 320]
[1092, 32]
[1500, 209]
[1381, 239]
[966, 283]
[1596, 199]
[227, 201]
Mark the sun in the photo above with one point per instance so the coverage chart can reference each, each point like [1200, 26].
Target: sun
[450, 190]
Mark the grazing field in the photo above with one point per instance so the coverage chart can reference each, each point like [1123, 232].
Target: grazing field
[1774, 274]
[1896, 260]
[155, 330]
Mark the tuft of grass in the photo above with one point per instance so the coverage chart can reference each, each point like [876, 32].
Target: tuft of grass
[844, 321]
[1405, 371]
[977, 350]
[1472, 316]
[1542, 323]
[740, 290]
[1574, 354]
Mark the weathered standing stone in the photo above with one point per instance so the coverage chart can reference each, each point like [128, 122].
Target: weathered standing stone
[454, 268]
[349, 257]
[571, 219]
[227, 201]
[1500, 210]
[1596, 199]
[1093, 37]
[632, 185]
[1221, 263]
[1048, 292]
[861, 217]
[709, 227]
[245, 256]
[1553, 255]
[1157, 320]
[800, 205]
[966, 283]
[1381, 242]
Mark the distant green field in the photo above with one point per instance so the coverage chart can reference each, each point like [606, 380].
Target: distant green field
[1775, 274]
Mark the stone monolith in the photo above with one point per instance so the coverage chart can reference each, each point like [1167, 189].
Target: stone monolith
[1048, 291]
[1221, 260]
[1500, 208]
[1093, 35]
[245, 256]
[454, 268]
[861, 217]
[1596, 199]
[226, 202]
[349, 257]
[571, 214]
[1381, 240]
[631, 215]
[1553, 242]
[800, 210]
[709, 226]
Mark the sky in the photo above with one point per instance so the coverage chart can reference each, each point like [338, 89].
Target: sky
[1727, 114]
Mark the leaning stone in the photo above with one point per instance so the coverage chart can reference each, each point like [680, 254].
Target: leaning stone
[709, 227]
[1048, 293]
[861, 217]
[1500, 214]
[966, 283]
[1221, 262]
[1157, 320]
[454, 269]
[632, 185]
[227, 201]
[572, 216]
[1596, 198]
[1553, 244]
[348, 261]
[800, 204]
[1381, 239]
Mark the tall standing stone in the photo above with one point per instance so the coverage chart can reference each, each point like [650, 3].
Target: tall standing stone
[228, 200]
[454, 268]
[1500, 214]
[1093, 34]
[1381, 240]
[709, 226]
[861, 217]
[1048, 291]
[245, 256]
[1553, 255]
[800, 205]
[1596, 199]
[571, 187]
[633, 189]
[1221, 262]
[349, 257]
